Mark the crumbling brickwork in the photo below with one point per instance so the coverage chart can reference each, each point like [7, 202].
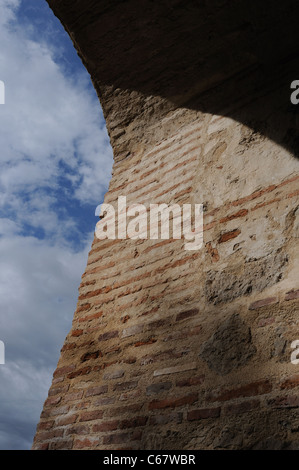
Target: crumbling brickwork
[177, 349]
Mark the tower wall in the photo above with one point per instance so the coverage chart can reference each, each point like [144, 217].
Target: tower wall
[171, 348]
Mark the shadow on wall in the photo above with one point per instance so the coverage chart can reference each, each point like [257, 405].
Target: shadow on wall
[216, 56]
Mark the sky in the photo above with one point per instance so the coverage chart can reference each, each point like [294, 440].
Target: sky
[55, 167]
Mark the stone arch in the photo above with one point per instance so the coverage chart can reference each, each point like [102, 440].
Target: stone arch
[214, 57]
[167, 348]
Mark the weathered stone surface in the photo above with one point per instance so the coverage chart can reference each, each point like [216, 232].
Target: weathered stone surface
[253, 276]
[229, 347]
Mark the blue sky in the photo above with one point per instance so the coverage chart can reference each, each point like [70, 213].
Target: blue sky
[56, 165]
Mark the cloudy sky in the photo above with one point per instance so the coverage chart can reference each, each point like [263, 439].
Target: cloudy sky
[56, 164]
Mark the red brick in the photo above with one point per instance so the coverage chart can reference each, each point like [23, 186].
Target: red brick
[185, 191]
[130, 395]
[57, 380]
[123, 386]
[149, 312]
[184, 333]
[160, 419]
[130, 360]
[58, 390]
[125, 318]
[175, 264]
[293, 194]
[125, 409]
[106, 426]
[68, 420]
[61, 371]
[290, 180]
[73, 396]
[55, 411]
[149, 359]
[43, 446]
[133, 422]
[158, 245]
[262, 303]
[264, 204]
[79, 429]
[85, 443]
[69, 347]
[48, 435]
[225, 237]
[112, 350]
[52, 401]
[291, 382]
[254, 195]
[102, 246]
[187, 314]
[158, 388]
[108, 335]
[95, 293]
[154, 325]
[104, 365]
[213, 252]
[122, 438]
[203, 413]
[104, 401]
[173, 402]
[253, 389]
[82, 405]
[243, 407]
[65, 444]
[145, 343]
[289, 401]
[94, 316]
[45, 425]
[209, 226]
[132, 330]
[176, 369]
[77, 373]
[240, 213]
[90, 392]
[266, 321]
[91, 355]
[87, 283]
[83, 308]
[91, 415]
[292, 295]
[197, 380]
[132, 280]
[115, 374]
[77, 333]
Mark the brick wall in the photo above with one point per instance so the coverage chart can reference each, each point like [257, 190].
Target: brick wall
[177, 349]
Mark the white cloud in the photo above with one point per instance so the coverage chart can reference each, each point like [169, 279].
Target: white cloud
[38, 295]
[50, 127]
[48, 118]
[38, 289]
[17, 413]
